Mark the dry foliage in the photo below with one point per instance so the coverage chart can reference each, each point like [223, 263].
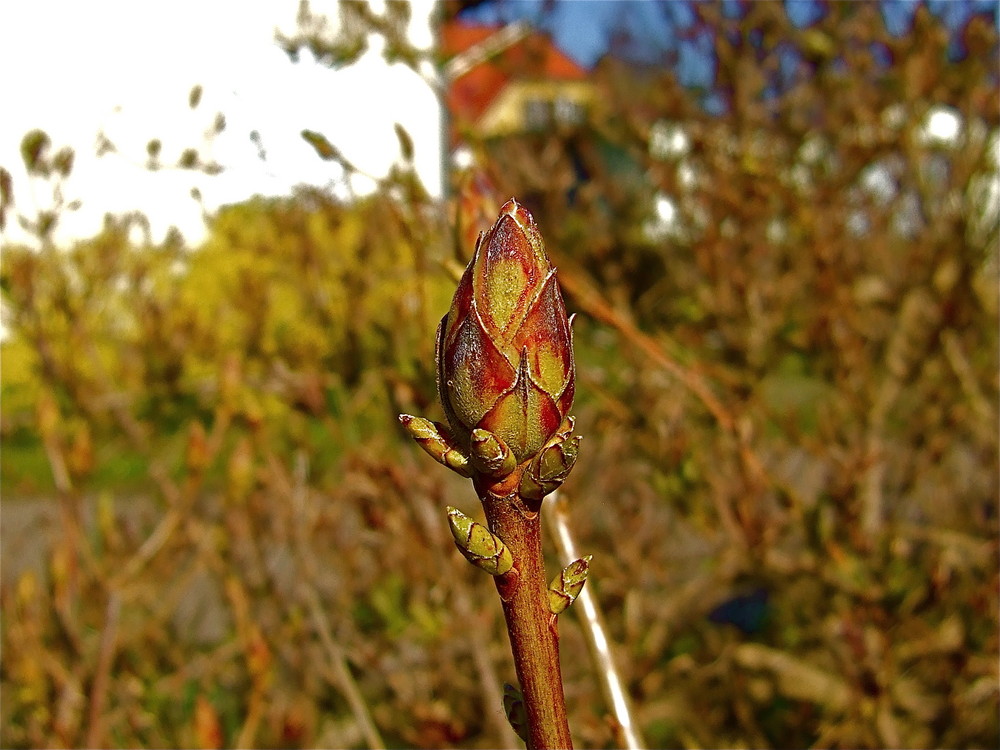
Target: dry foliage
[789, 396]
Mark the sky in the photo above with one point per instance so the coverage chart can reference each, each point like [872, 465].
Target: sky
[125, 69]
[581, 26]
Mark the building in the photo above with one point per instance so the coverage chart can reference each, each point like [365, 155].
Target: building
[508, 80]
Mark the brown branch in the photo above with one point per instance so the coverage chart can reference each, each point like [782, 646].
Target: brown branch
[338, 673]
[336, 670]
[755, 476]
[534, 640]
[592, 302]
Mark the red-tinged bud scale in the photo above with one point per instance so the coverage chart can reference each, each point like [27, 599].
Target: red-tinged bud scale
[505, 348]
[506, 381]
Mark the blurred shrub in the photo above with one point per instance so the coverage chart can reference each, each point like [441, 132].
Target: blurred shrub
[788, 387]
[284, 313]
[802, 396]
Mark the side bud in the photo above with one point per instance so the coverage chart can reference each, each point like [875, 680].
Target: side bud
[513, 708]
[480, 547]
[566, 586]
[435, 439]
[549, 469]
[490, 455]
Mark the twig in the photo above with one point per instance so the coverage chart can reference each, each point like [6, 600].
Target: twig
[962, 368]
[534, 640]
[341, 676]
[99, 689]
[592, 302]
[752, 469]
[337, 672]
[596, 634]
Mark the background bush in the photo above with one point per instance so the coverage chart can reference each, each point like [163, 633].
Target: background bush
[789, 480]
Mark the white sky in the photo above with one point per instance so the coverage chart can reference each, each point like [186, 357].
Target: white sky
[126, 68]
[74, 69]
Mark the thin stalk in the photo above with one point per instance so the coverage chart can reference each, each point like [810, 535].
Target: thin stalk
[337, 670]
[102, 674]
[534, 640]
[598, 642]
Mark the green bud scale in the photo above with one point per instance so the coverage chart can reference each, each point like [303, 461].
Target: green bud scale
[566, 586]
[479, 546]
[513, 708]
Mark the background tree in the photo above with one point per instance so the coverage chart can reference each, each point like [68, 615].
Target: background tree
[786, 349]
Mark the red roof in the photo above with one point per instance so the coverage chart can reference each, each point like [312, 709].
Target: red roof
[533, 57]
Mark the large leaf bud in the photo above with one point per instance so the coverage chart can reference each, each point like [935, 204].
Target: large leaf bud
[505, 348]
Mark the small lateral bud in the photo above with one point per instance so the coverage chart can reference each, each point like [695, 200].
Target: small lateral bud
[566, 586]
[437, 442]
[513, 708]
[478, 545]
[491, 455]
[549, 469]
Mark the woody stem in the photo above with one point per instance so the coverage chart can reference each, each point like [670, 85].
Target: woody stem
[533, 640]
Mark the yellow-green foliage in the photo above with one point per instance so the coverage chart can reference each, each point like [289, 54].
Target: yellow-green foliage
[306, 295]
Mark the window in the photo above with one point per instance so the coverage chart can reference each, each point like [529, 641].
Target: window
[537, 114]
[568, 112]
